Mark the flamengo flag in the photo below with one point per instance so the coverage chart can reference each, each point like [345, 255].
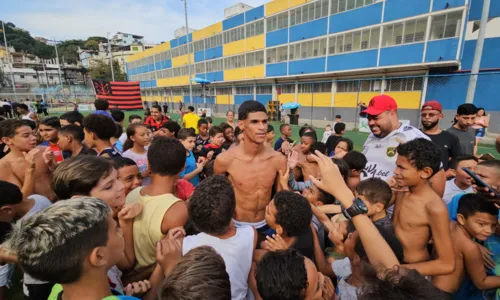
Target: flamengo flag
[125, 95]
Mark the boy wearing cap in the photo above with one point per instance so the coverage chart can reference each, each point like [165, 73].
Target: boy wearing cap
[431, 114]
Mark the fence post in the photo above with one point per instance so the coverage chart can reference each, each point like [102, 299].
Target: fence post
[423, 96]
[357, 106]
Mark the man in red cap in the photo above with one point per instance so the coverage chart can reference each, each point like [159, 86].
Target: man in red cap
[432, 112]
[387, 134]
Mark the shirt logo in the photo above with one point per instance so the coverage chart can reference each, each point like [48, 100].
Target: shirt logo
[391, 151]
[379, 146]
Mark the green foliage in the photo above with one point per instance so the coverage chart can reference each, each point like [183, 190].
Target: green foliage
[101, 70]
[91, 45]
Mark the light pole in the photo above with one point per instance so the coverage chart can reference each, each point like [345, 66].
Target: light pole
[58, 64]
[189, 53]
[110, 58]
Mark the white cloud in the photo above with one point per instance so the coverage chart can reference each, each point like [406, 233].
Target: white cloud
[156, 20]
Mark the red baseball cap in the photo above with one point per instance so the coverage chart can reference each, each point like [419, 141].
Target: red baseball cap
[379, 104]
[434, 105]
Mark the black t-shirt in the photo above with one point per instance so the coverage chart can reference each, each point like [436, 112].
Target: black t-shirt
[200, 143]
[449, 145]
[87, 151]
[110, 152]
[332, 142]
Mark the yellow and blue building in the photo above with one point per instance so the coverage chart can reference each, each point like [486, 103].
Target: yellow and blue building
[331, 55]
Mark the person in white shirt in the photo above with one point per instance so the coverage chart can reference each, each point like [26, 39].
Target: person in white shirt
[462, 183]
[25, 113]
[327, 133]
[214, 219]
[387, 134]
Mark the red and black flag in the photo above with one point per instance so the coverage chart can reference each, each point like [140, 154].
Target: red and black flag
[127, 95]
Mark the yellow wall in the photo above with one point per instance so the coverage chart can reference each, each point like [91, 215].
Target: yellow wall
[406, 100]
[233, 48]
[234, 74]
[285, 98]
[157, 98]
[175, 81]
[143, 98]
[207, 31]
[254, 72]
[182, 60]
[294, 3]
[276, 6]
[345, 99]
[177, 99]
[224, 99]
[255, 43]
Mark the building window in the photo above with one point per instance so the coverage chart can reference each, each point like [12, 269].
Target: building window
[308, 49]
[309, 12]
[323, 87]
[279, 54]
[34, 77]
[50, 77]
[234, 62]
[135, 48]
[339, 6]
[199, 68]
[255, 28]
[446, 26]
[244, 90]
[286, 88]
[404, 84]
[224, 91]
[347, 86]
[255, 58]
[234, 35]
[305, 88]
[277, 22]
[354, 41]
[407, 32]
[199, 45]
[22, 76]
[264, 90]
[213, 41]
[214, 65]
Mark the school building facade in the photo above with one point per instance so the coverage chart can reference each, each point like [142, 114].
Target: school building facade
[330, 56]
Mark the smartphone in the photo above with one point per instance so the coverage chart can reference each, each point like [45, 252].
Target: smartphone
[479, 182]
[57, 153]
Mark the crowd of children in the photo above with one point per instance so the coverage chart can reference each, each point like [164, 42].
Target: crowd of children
[90, 210]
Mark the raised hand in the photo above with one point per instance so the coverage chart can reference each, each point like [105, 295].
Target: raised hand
[137, 288]
[293, 159]
[176, 233]
[168, 254]
[284, 179]
[49, 158]
[130, 211]
[275, 243]
[30, 158]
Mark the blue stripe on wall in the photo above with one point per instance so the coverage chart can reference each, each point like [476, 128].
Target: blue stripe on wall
[444, 4]
[489, 59]
[402, 55]
[309, 30]
[487, 85]
[158, 65]
[153, 83]
[239, 99]
[183, 40]
[201, 75]
[166, 64]
[196, 99]
[215, 76]
[441, 50]
[356, 60]
[199, 56]
[398, 9]
[313, 65]
[361, 17]
[277, 37]
[151, 67]
[278, 69]
[213, 53]
[264, 99]
[174, 43]
[233, 22]
[476, 8]
[450, 91]
[254, 14]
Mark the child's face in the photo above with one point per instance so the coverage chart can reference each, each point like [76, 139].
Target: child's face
[63, 142]
[480, 225]
[306, 142]
[341, 148]
[229, 134]
[270, 136]
[287, 131]
[136, 120]
[24, 139]
[115, 247]
[328, 128]
[461, 176]
[142, 136]
[406, 174]
[48, 133]
[373, 208]
[312, 195]
[203, 129]
[350, 244]
[490, 175]
[130, 178]
[189, 143]
[110, 190]
[218, 139]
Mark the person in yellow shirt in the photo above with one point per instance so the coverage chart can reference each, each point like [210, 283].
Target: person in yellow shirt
[190, 120]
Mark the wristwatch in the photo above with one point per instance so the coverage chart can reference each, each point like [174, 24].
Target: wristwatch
[358, 207]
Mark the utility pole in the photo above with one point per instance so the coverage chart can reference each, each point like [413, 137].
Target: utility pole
[189, 53]
[9, 61]
[110, 58]
[476, 63]
[58, 63]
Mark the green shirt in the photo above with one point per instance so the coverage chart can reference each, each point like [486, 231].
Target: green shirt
[57, 290]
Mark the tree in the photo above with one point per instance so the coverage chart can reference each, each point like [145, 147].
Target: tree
[91, 45]
[100, 70]
[98, 39]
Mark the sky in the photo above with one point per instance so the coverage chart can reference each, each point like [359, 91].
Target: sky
[156, 20]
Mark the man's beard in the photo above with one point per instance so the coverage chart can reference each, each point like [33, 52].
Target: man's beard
[429, 126]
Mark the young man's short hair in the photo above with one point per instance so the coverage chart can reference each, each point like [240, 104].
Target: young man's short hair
[202, 121]
[74, 130]
[283, 126]
[51, 121]
[214, 131]
[318, 146]
[270, 128]
[343, 168]
[23, 106]
[456, 161]
[422, 154]
[209, 120]
[30, 123]
[162, 147]
[118, 115]
[101, 104]
[311, 134]
[52, 244]
[282, 275]
[294, 212]
[72, 117]
[466, 109]
[200, 274]
[391, 239]
[191, 108]
[11, 194]
[132, 117]
[355, 160]
[338, 117]
[118, 130]
[102, 126]
[305, 128]
[491, 164]
[9, 127]
[172, 126]
[78, 175]
[184, 133]
[212, 217]
[225, 126]
[156, 106]
[121, 162]
[339, 127]
[469, 204]
[248, 107]
[375, 190]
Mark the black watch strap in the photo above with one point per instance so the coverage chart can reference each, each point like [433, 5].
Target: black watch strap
[358, 207]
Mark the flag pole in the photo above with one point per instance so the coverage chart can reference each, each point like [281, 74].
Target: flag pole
[9, 61]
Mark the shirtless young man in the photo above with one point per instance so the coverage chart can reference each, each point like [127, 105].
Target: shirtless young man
[24, 162]
[252, 167]
[419, 213]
